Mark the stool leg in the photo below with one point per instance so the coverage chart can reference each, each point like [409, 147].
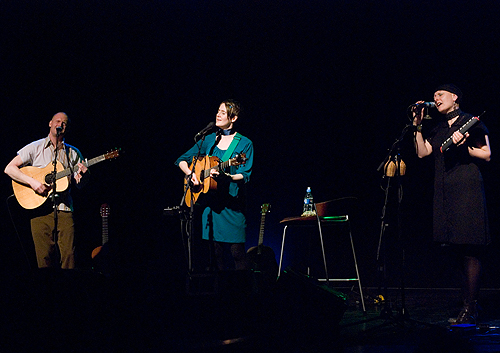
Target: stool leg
[322, 247]
[282, 249]
[357, 271]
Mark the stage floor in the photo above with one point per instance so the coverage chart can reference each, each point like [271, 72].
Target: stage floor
[149, 312]
[424, 328]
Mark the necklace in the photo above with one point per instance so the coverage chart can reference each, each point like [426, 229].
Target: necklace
[453, 114]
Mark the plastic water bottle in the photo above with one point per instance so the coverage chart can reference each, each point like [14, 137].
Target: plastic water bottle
[308, 210]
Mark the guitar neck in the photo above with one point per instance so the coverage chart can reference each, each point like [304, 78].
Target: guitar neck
[87, 163]
[224, 165]
[104, 229]
[219, 167]
[261, 232]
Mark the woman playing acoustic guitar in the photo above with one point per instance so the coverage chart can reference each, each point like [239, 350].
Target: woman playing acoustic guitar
[223, 218]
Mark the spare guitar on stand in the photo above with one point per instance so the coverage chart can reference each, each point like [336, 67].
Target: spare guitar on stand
[262, 258]
[100, 260]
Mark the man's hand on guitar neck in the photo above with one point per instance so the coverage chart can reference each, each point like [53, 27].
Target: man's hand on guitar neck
[81, 170]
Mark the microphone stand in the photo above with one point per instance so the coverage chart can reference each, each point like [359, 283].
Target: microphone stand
[393, 155]
[386, 314]
[381, 264]
[54, 201]
[187, 222]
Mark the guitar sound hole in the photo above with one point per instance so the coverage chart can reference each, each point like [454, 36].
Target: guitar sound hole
[49, 178]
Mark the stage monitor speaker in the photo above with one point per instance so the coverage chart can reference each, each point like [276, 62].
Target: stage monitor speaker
[308, 309]
[221, 283]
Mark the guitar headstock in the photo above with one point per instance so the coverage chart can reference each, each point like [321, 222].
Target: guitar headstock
[105, 210]
[265, 208]
[239, 159]
[113, 154]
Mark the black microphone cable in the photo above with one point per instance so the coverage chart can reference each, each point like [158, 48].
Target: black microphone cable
[17, 234]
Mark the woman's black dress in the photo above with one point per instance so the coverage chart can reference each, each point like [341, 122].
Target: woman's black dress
[460, 214]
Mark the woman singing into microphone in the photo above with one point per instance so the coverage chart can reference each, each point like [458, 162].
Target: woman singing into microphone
[460, 218]
[223, 217]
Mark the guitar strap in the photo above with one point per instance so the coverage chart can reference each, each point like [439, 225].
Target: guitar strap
[232, 146]
[67, 157]
[218, 136]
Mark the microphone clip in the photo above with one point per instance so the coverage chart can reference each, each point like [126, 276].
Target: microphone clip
[204, 132]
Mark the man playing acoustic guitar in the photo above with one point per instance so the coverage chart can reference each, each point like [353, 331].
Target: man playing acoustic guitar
[223, 218]
[41, 154]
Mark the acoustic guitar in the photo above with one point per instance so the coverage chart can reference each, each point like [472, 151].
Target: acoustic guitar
[262, 258]
[105, 210]
[29, 199]
[202, 171]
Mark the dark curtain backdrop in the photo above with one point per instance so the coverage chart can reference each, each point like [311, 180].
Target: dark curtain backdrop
[325, 87]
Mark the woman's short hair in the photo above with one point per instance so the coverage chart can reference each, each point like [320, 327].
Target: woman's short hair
[233, 108]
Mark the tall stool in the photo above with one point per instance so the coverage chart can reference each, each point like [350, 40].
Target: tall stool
[326, 214]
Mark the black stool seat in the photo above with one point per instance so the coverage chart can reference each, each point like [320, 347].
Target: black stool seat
[327, 213]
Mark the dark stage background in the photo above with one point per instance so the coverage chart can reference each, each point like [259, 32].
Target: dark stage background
[325, 87]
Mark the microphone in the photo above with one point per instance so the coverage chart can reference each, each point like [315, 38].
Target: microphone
[205, 130]
[463, 129]
[59, 129]
[425, 104]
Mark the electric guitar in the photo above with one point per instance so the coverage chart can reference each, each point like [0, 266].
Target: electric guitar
[262, 258]
[29, 199]
[105, 210]
[202, 171]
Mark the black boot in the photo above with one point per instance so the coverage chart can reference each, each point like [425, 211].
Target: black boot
[468, 314]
